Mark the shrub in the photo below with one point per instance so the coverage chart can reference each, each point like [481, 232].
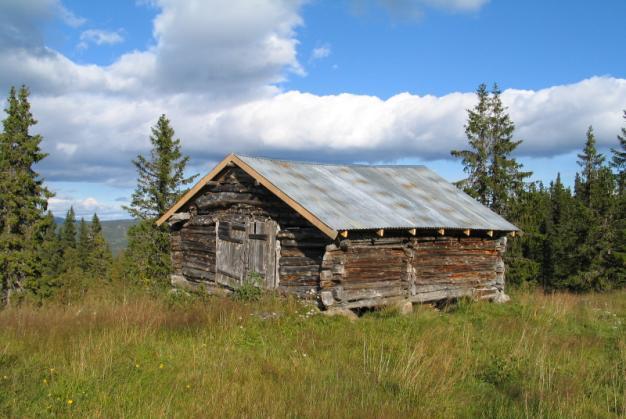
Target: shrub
[250, 289]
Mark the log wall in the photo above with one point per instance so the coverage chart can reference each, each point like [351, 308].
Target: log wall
[235, 196]
[372, 272]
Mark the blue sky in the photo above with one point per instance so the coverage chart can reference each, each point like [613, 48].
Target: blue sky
[367, 81]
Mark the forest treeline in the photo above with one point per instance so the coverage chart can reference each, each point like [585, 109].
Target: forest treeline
[573, 238]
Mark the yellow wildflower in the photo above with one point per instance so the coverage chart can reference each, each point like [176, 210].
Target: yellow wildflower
[70, 402]
[161, 366]
[45, 381]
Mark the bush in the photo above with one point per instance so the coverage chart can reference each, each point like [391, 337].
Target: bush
[250, 289]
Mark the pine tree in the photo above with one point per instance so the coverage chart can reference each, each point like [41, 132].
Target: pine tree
[160, 184]
[100, 258]
[506, 180]
[23, 196]
[475, 160]
[162, 177]
[618, 161]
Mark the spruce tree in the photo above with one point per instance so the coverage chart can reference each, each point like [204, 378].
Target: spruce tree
[100, 258]
[506, 179]
[560, 261]
[475, 160]
[67, 239]
[494, 176]
[67, 234]
[23, 196]
[161, 178]
[83, 246]
[595, 190]
[590, 161]
[618, 161]
[160, 184]
[50, 259]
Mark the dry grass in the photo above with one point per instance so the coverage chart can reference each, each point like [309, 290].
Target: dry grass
[135, 355]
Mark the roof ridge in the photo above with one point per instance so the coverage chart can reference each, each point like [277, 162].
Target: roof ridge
[372, 166]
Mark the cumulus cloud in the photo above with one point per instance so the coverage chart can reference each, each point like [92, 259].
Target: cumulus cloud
[215, 74]
[99, 37]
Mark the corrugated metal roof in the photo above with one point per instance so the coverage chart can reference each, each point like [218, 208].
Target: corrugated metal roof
[351, 197]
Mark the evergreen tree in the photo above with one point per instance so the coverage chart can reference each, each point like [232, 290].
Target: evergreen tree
[161, 178]
[494, 177]
[475, 160]
[595, 190]
[560, 261]
[618, 257]
[160, 184]
[23, 196]
[67, 234]
[524, 255]
[50, 260]
[618, 162]
[100, 258]
[590, 161]
[506, 179]
[67, 239]
[83, 246]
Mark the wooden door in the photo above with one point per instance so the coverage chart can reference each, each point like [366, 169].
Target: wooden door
[261, 251]
[244, 249]
[230, 253]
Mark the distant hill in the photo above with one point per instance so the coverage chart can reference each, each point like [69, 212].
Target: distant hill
[114, 232]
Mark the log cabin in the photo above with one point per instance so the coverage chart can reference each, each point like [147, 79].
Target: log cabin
[349, 236]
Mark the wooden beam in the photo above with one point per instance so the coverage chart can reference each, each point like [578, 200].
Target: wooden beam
[380, 232]
[441, 231]
[490, 233]
[344, 234]
[466, 232]
[412, 231]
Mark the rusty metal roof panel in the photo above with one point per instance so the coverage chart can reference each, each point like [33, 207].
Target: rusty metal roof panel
[351, 197]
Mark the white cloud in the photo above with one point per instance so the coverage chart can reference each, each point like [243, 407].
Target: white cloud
[320, 52]
[84, 208]
[68, 16]
[99, 37]
[214, 75]
[414, 9]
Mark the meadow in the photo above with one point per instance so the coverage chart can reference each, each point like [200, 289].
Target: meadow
[133, 354]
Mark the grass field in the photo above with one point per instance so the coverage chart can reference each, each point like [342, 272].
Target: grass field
[139, 356]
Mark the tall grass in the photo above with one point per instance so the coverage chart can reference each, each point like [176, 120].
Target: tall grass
[134, 355]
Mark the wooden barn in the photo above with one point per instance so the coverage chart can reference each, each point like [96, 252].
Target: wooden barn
[351, 236]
